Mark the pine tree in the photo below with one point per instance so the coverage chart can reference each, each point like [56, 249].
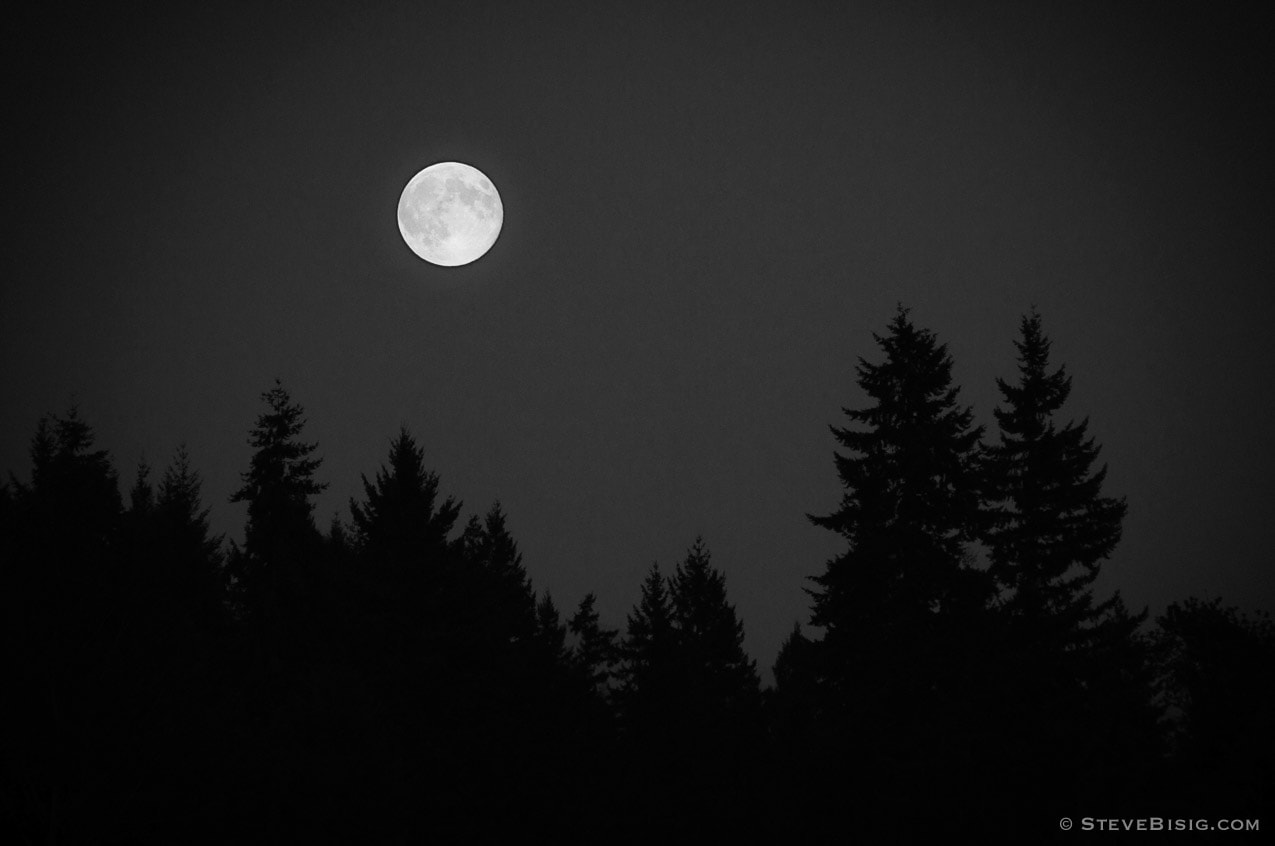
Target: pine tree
[710, 639]
[790, 701]
[66, 616]
[280, 533]
[594, 655]
[649, 648]
[1075, 692]
[899, 671]
[504, 597]
[421, 603]
[551, 634]
[185, 535]
[402, 523]
[1053, 527]
[141, 498]
[910, 507]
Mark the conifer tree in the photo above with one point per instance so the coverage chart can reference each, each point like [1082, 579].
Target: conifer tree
[401, 523]
[551, 634]
[710, 639]
[594, 655]
[791, 700]
[65, 620]
[899, 672]
[649, 648]
[1076, 688]
[502, 591]
[176, 564]
[421, 609]
[910, 506]
[1053, 526]
[278, 487]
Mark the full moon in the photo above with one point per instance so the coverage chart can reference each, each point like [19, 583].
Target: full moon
[450, 214]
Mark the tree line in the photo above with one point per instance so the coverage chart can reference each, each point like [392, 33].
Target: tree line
[396, 675]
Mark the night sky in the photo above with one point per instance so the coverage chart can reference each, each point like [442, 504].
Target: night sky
[709, 208]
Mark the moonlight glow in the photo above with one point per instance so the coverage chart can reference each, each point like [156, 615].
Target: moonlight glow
[450, 214]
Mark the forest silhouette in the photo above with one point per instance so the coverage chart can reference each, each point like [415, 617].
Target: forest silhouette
[396, 675]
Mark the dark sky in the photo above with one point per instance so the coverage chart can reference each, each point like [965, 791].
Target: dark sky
[709, 209]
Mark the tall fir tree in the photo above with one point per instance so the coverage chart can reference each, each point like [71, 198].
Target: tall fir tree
[710, 640]
[551, 633]
[401, 522]
[502, 593]
[70, 714]
[910, 508]
[648, 650]
[278, 487]
[899, 668]
[1076, 691]
[594, 654]
[186, 534]
[1053, 527]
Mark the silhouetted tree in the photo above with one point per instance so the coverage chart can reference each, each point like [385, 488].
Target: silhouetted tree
[551, 634]
[176, 565]
[174, 644]
[690, 699]
[710, 641]
[900, 665]
[649, 648]
[1075, 670]
[185, 534]
[1052, 526]
[594, 655]
[505, 598]
[1120, 747]
[717, 731]
[401, 523]
[791, 702]
[287, 600]
[278, 488]
[68, 714]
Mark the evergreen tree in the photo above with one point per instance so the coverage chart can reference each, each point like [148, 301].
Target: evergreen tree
[69, 715]
[1082, 721]
[141, 498]
[410, 567]
[649, 706]
[594, 655]
[899, 669]
[690, 701]
[910, 506]
[1053, 527]
[287, 601]
[278, 486]
[551, 634]
[173, 645]
[195, 555]
[710, 640]
[791, 700]
[504, 596]
[401, 523]
[649, 650]
[1120, 747]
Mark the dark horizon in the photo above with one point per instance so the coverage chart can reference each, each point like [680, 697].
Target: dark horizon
[399, 675]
